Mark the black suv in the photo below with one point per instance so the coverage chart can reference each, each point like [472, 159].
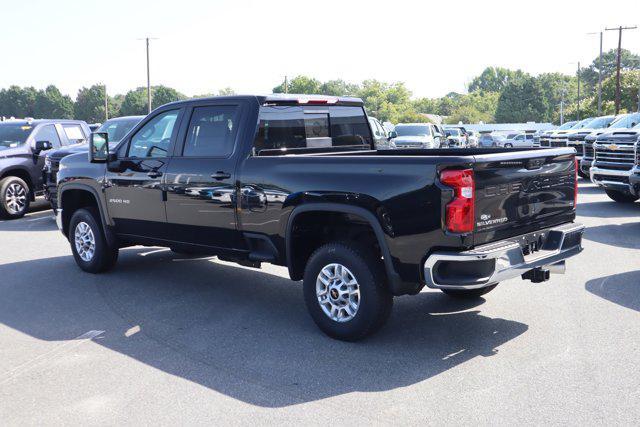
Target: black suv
[22, 147]
[117, 128]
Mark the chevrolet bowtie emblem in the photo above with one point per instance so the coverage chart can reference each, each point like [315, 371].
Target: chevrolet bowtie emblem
[612, 147]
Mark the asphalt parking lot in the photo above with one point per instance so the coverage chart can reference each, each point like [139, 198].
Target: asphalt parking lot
[165, 339]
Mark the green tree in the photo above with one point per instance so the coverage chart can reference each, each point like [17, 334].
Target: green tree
[522, 100]
[89, 105]
[553, 85]
[134, 103]
[18, 102]
[301, 85]
[338, 88]
[494, 79]
[589, 75]
[52, 104]
[161, 95]
[629, 82]
[227, 91]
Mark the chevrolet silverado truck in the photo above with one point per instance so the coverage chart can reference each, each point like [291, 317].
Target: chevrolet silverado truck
[623, 121]
[296, 181]
[616, 166]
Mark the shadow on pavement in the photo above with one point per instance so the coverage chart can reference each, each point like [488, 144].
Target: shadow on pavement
[247, 331]
[609, 209]
[619, 235]
[588, 188]
[33, 221]
[622, 289]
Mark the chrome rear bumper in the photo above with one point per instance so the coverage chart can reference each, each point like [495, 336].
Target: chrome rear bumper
[495, 262]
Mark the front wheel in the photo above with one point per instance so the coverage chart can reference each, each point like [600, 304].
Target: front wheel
[469, 293]
[508, 145]
[345, 291]
[89, 246]
[621, 196]
[15, 197]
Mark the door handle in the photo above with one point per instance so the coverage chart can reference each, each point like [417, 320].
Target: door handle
[154, 174]
[220, 175]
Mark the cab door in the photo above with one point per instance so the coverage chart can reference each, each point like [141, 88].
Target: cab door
[133, 181]
[201, 180]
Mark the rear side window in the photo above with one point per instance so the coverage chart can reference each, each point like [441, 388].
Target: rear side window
[297, 127]
[48, 133]
[212, 131]
[74, 134]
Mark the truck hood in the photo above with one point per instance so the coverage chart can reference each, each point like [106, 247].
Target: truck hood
[72, 149]
[12, 152]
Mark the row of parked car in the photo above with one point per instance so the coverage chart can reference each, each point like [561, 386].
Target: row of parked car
[30, 152]
[608, 150]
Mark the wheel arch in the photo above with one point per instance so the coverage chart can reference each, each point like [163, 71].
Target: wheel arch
[22, 173]
[296, 271]
[77, 196]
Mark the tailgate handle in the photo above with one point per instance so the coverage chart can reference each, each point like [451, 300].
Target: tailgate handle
[535, 163]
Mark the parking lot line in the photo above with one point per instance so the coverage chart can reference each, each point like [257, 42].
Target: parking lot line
[49, 355]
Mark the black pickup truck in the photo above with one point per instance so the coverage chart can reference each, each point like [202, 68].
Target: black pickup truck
[296, 181]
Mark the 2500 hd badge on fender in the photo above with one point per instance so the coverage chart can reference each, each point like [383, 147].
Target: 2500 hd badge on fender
[296, 181]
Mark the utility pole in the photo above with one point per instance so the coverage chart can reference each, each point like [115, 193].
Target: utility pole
[562, 106]
[619, 30]
[578, 90]
[286, 85]
[106, 104]
[146, 39]
[599, 76]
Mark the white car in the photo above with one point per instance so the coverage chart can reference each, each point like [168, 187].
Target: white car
[455, 138]
[414, 135]
[524, 140]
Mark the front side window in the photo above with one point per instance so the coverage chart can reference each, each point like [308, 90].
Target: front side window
[153, 139]
[294, 127]
[48, 133]
[74, 134]
[117, 128]
[212, 131]
[13, 134]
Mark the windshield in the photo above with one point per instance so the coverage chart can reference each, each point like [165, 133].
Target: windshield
[12, 135]
[626, 121]
[117, 128]
[567, 125]
[600, 122]
[582, 124]
[412, 130]
[452, 132]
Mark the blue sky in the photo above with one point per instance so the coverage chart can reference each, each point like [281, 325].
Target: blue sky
[203, 46]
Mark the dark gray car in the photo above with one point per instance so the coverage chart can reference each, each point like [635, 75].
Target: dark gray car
[23, 144]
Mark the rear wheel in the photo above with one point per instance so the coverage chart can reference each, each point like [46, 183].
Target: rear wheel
[89, 246]
[508, 145]
[15, 197]
[621, 196]
[469, 293]
[345, 291]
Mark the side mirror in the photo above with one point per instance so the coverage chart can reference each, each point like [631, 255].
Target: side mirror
[99, 147]
[393, 134]
[633, 124]
[437, 135]
[42, 146]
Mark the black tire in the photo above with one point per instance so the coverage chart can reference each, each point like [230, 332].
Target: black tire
[621, 196]
[583, 175]
[469, 293]
[374, 302]
[508, 145]
[14, 190]
[104, 256]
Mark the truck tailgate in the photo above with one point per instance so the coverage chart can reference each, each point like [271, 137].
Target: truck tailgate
[521, 192]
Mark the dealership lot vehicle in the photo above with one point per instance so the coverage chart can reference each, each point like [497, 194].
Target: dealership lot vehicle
[224, 343]
[616, 165]
[116, 128]
[543, 138]
[455, 138]
[23, 144]
[415, 135]
[521, 140]
[307, 190]
[380, 135]
[624, 121]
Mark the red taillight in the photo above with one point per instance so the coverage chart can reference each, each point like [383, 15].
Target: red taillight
[575, 186]
[460, 215]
